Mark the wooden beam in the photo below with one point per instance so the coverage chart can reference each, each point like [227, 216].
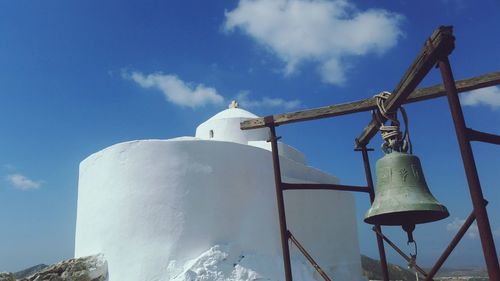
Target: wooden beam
[323, 186]
[465, 85]
[439, 45]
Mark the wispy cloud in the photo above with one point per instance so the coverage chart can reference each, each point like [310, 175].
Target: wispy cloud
[176, 90]
[486, 96]
[473, 231]
[326, 32]
[245, 101]
[457, 223]
[22, 182]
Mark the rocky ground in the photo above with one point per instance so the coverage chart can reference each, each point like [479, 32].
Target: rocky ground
[95, 268]
[91, 268]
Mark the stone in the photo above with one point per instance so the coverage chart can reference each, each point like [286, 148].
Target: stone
[90, 268]
[7, 276]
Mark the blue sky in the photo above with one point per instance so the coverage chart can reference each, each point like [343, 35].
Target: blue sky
[78, 76]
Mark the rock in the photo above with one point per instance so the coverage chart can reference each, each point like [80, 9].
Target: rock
[91, 268]
[7, 276]
[29, 271]
[373, 271]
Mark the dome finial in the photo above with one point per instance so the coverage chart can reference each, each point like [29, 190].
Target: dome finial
[233, 104]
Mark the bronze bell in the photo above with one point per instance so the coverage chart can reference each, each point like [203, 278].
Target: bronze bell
[402, 196]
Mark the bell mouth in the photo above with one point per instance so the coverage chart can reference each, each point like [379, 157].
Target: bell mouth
[407, 217]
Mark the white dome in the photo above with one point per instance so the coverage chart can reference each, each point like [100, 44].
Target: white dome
[225, 126]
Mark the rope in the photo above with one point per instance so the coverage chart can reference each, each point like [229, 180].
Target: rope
[391, 134]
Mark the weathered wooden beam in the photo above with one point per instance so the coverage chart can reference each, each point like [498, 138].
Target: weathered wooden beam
[323, 186]
[440, 44]
[465, 85]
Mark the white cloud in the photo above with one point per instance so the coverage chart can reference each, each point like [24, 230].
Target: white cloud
[244, 100]
[457, 223]
[326, 32]
[176, 90]
[22, 182]
[473, 231]
[486, 96]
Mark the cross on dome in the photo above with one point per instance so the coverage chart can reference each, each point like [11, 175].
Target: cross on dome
[233, 104]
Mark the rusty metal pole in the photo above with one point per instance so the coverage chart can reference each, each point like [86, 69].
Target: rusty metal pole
[476, 193]
[281, 203]
[380, 241]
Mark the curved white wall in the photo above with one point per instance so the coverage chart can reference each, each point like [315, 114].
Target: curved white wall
[151, 206]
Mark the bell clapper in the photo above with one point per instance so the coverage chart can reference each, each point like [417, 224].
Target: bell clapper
[408, 228]
[412, 263]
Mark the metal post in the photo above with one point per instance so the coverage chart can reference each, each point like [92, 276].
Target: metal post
[476, 193]
[281, 204]
[380, 242]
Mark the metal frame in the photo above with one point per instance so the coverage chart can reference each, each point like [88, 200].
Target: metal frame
[435, 52]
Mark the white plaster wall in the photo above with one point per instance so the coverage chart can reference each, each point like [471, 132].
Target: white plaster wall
[150, 206]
